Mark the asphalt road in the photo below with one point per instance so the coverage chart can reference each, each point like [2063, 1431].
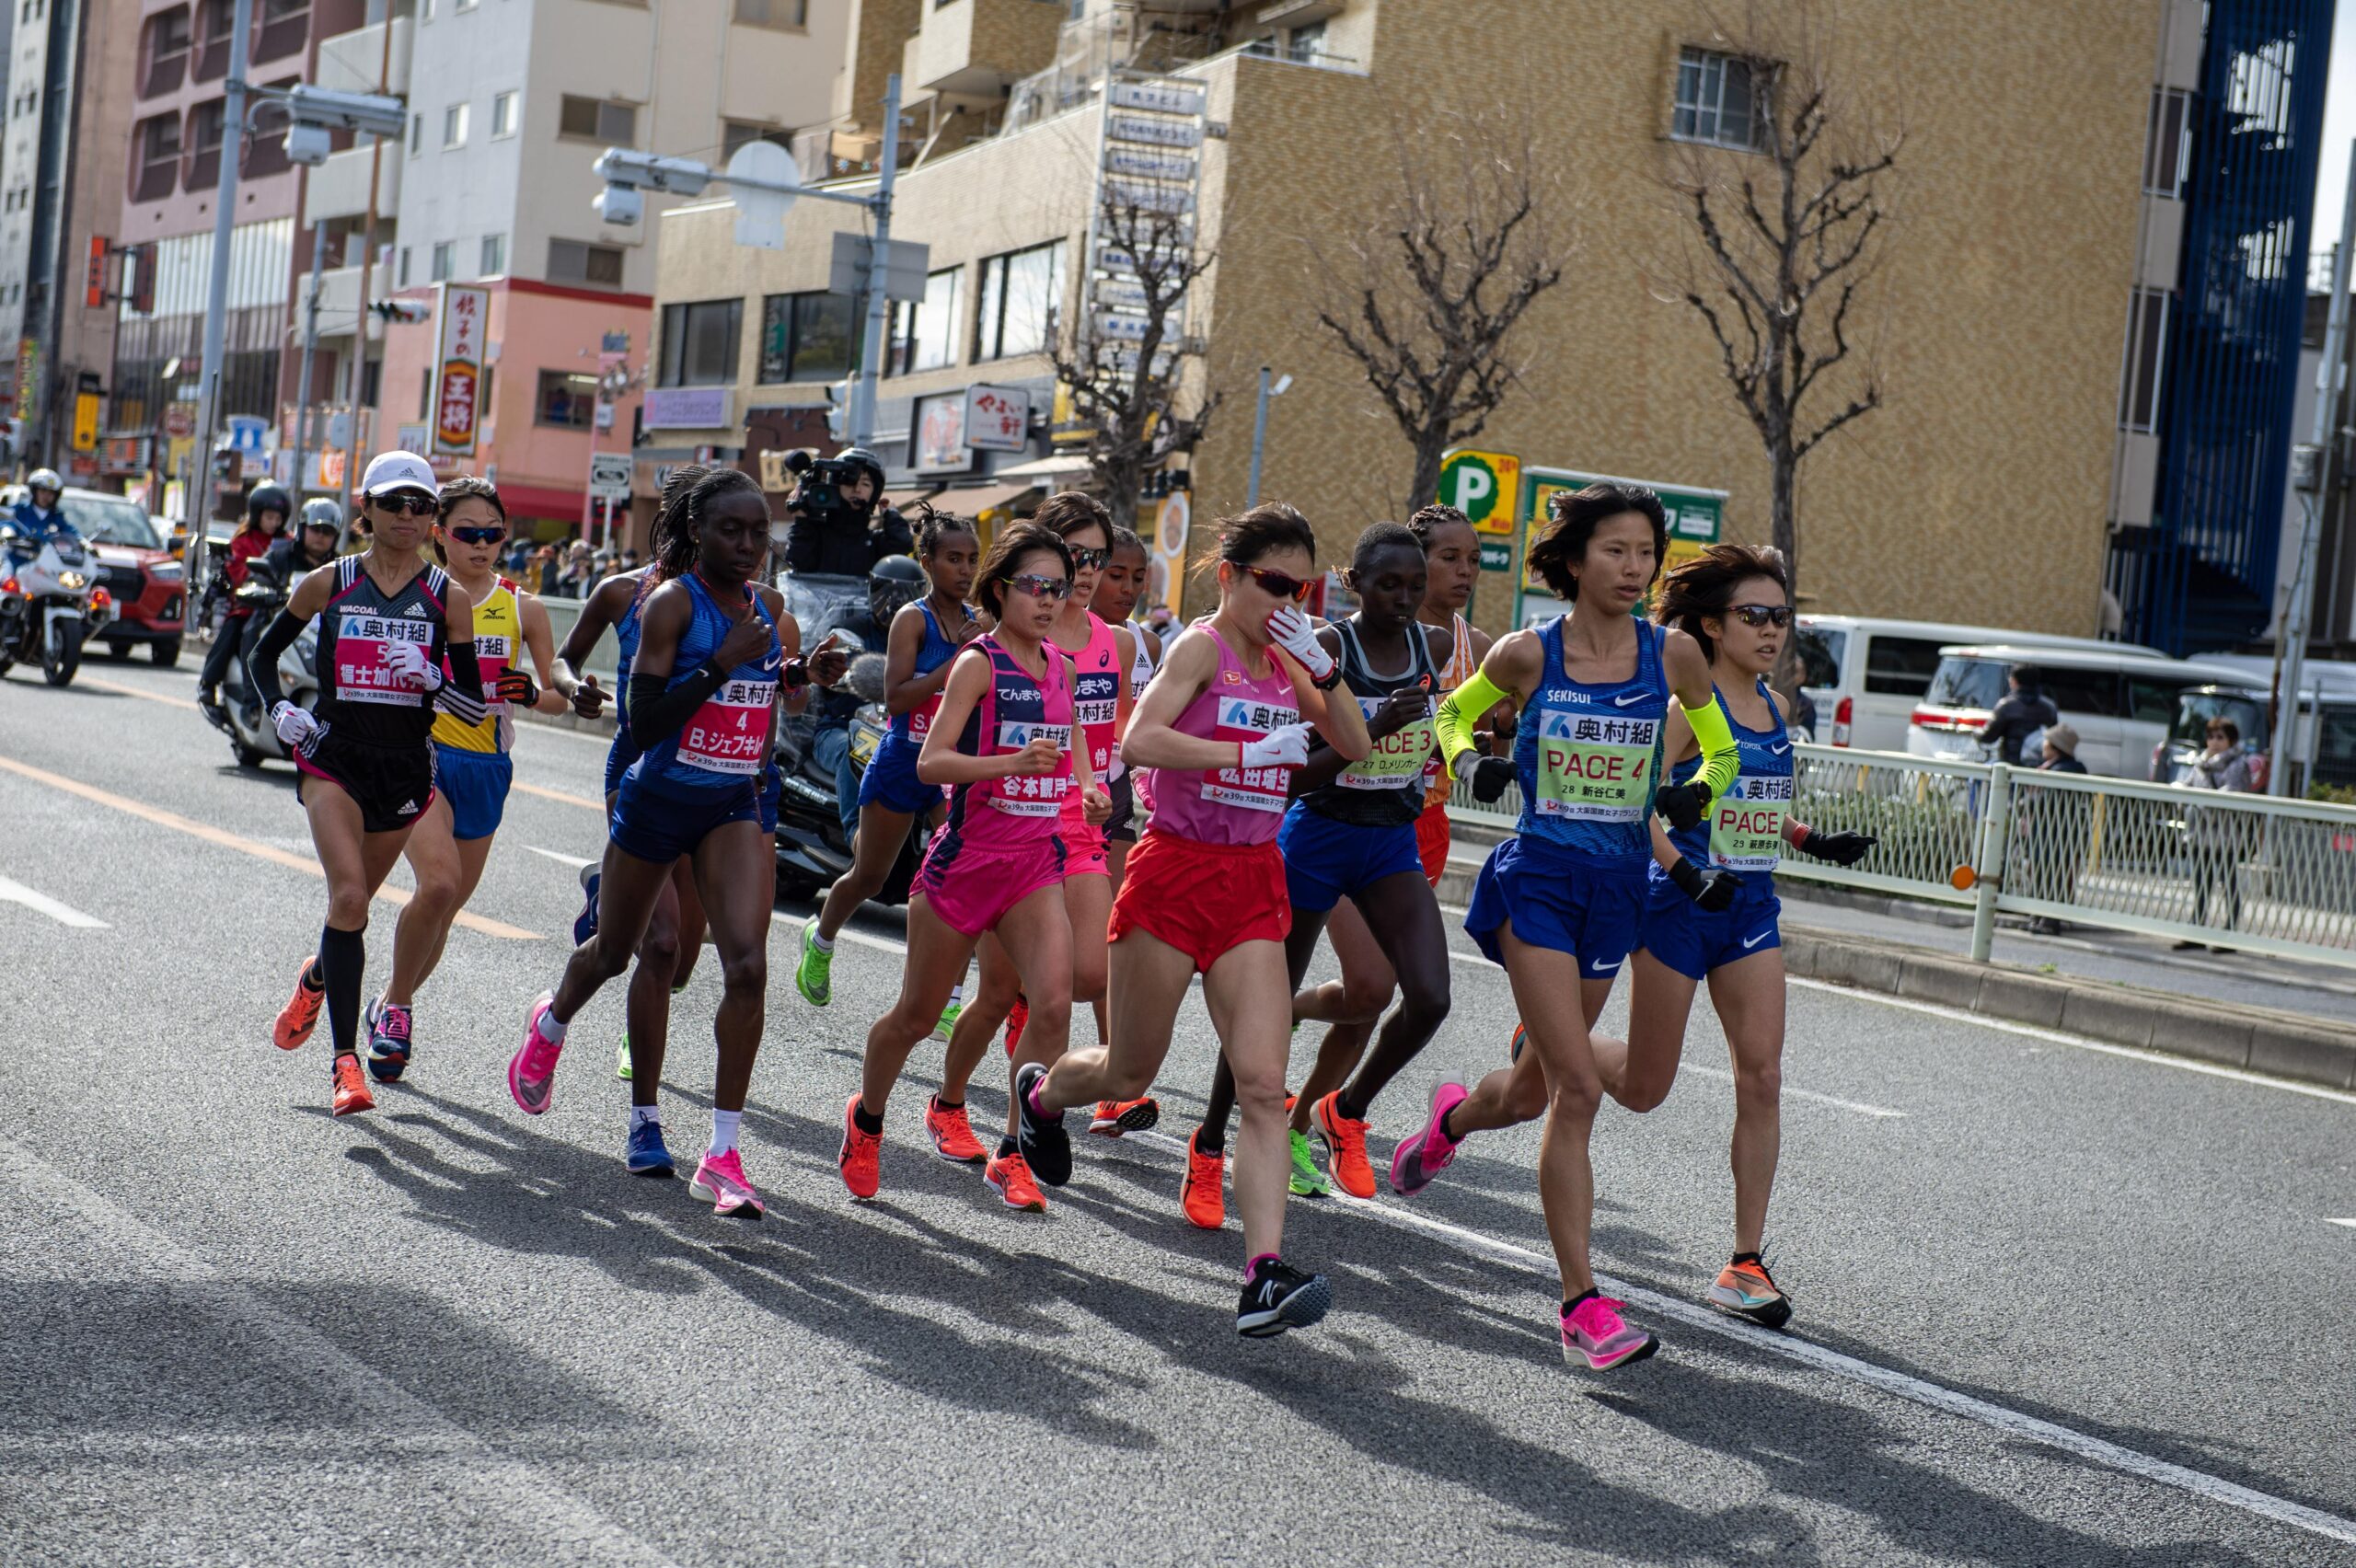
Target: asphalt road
[2056, 1305]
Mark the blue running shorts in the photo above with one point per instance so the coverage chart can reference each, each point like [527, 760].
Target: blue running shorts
[1555, 899]
[1326, 861]
[1694, 943]
[476, 784]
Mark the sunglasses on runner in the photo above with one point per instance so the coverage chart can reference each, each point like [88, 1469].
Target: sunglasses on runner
[1764, 615]
[408, 503]
[490, 535]
[1090, 561]
[1040, 587]
[1276, 582]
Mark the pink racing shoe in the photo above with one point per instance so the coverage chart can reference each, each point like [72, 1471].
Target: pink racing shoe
[1594, 1331]
[531, 1072]
[720, 1181]
[1428, 1152]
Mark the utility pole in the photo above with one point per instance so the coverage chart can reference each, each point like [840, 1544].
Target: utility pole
[2292, 649]
[879, 308]
[356, 377]
[216, 297]
[310, 349]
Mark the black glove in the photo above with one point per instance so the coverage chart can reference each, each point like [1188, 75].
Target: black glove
[1711, 890]
[1490, 777]
[1683, 804]
[797, 674]
[518, 687]
[1841, 849]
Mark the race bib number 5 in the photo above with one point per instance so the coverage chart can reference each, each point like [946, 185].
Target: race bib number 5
[363, 673]
[1594, 769]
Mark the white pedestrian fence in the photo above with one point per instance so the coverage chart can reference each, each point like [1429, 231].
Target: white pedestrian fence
[2240, 872]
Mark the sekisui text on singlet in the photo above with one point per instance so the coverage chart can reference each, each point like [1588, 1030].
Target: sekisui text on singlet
[359, 693]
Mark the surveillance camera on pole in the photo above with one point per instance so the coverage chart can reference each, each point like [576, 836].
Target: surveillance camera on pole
[369, 113]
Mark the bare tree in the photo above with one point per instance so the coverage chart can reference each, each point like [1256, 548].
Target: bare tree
[1425, 295]
[1128, 391]
[1786, 212]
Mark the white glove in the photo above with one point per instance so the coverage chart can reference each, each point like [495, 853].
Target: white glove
[1284, 746]
[1292, 631]
[294, 725]
[407, 660]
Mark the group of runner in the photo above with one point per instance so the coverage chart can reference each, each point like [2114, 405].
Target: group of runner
[1110, 818]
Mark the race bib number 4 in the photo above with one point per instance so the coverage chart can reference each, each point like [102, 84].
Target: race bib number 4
[1594, 768]
[730, 730]
[1033, 794]
[1746, 824]
[363, 673]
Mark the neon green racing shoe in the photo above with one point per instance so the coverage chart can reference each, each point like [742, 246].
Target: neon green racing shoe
[948, 1024]
[813, 977]
[622, 1067]
[1308, 1181]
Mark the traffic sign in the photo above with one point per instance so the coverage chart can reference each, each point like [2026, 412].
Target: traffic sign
[1496, 555]
[609, 475]
[1484, 486]
[246, 433]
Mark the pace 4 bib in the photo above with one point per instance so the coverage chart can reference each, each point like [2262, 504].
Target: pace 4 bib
[1594, 767]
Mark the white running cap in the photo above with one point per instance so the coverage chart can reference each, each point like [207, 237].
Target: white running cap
[389, 471]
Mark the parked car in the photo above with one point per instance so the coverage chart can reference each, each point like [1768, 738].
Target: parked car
[148, 586]
[2121, 700]
[1866, 673]
[2322, 750]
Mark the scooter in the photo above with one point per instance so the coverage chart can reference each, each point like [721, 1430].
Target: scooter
[49, 605]
[252, 738]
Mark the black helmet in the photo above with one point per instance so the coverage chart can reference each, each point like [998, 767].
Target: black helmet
[860, 457]
[268, 497]
[892, 582]
[321, 512]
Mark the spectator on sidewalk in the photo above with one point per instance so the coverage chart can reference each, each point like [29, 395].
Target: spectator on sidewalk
[545, 569]
[2021, 714]
[2068, 812]
[2218, 838]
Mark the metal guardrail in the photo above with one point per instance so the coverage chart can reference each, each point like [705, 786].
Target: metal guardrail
[2241, 872]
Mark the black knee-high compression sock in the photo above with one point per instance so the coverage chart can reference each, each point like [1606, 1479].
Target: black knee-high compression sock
[343, 958]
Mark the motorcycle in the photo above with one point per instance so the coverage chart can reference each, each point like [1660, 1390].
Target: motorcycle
[252, 738]
[49, 604]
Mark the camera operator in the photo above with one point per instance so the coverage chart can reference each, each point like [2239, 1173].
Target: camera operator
[838, 526]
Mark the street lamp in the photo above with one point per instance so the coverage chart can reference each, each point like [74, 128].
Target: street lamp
[1260, 430]
[768, 172]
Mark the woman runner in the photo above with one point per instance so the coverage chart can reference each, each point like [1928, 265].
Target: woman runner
[920, 643]
[1003, 740]
[391, 623]
[1560, 903]
[1735, 601]
[1125, 576]
[1349, 835]
[713, 652]
[471, 770]
[1204, 892]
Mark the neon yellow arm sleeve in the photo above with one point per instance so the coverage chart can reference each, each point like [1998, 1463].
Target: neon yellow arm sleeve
[1463, 708]
[1721, 758]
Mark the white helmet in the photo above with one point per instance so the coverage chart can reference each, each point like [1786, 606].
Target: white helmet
[45, 479]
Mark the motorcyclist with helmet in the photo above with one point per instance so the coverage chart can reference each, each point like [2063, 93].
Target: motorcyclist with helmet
[892, 582]
[312, 546]
[38, 519]
[267, 510]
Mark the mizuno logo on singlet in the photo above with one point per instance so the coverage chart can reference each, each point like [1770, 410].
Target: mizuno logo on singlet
[1626, 698]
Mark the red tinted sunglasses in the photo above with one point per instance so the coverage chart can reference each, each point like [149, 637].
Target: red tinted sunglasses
[1282, 586]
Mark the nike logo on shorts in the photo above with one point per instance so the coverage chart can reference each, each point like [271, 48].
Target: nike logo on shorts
[1749, 942]
[1598, 971]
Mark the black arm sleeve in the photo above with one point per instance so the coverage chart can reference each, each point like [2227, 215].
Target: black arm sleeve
[461, 693]
[657, 713]
[264, 670]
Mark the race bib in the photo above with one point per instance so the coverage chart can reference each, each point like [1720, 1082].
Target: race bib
[730, 731]
[1400, 760]
[1242, 721]
[1594, 769]
[363, 673]
[920, 719]
[1033, 794]
[1746, 824]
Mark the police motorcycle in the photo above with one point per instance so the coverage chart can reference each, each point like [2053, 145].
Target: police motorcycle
[252, 738]
[50, 603]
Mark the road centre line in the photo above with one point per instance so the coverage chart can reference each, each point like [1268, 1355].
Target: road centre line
[226, 840]
[1859, 1106]
[575, 861]
[13, 892]
[120, 690]
[2350, 1223]
[500, 1483]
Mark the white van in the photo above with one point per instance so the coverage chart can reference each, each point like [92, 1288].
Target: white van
[2121, 701]
[1864, 673]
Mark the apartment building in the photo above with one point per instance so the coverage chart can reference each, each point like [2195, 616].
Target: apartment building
[1990, 487]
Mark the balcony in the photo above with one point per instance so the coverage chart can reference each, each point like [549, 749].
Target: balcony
[976, 48]
[340, 187]
[339, 299]
[349, 62]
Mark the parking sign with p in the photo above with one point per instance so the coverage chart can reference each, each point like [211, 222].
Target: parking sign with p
[1484, 486]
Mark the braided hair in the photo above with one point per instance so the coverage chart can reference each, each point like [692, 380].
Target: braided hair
[932, 525]
[679, 519]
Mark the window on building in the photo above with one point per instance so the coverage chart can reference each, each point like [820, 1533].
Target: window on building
[166, 44]
[786, 14]
[280, 26]
[1718, 102]
[494, 255]
[597, 120]
[700, 342]
[567, 399]
[1022, 292]
[734, 133]
[502, 114]
[205, 126]
[808, 337]
[156, 156]
[213, 20]
[445, 261]
[425, 392]
[2147, 336]
[2169, 147]
[403, 279]
[1306, 44]
[416, 134]
[570, 262]
[924, 332]
[453, 126]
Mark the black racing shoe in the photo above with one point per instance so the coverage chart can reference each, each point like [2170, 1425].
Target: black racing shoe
[1278, 1296]
[1045, 1146]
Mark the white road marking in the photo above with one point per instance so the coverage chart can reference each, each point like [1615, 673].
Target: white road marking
[498, 1482]
[41, 903]
[2350, 1223]
[575, 861]
[1917, 1390]
[1859, 1106]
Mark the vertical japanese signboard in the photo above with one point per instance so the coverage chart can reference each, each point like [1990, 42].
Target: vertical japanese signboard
[462, 321]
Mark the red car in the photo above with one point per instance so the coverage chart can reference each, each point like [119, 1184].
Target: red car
[146, 582]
